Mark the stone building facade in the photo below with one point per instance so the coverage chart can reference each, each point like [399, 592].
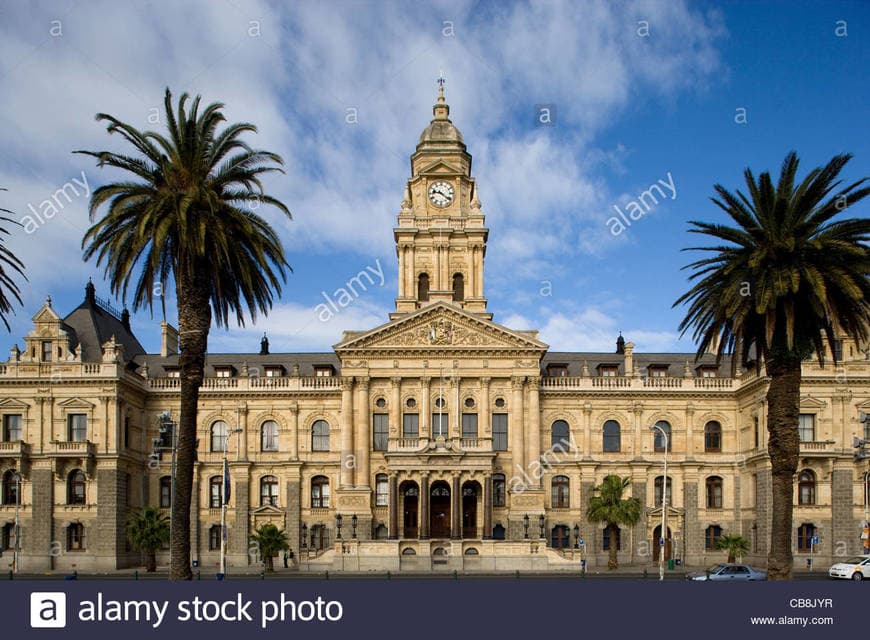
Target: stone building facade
[439, 440]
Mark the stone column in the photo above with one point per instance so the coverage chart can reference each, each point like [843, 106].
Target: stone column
[693, 539]
[294, 431]
[346, 426]
[394, 507]
[484, 419]
[412, 274]
[487, 507]
[637, 448]
[456, 520]
[478, 265]
[690, 433]
[533, 432]
[587, 431]
[446, 284]
[844, 526]
[363, 436]
[424, 507]
[454, 425]
[517, 424]
[243, 425]
[403, 270]
[293, 514]
[238, 535]
[111, 515]
[472, 275]
[435, 280]
[424, 407]
[36, 539]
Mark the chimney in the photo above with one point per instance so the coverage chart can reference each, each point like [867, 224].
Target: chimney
[264, 345]
[628, 351]
[168, 339]
[620, 344]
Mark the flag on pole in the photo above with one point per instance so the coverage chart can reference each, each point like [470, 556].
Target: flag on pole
[226, 482]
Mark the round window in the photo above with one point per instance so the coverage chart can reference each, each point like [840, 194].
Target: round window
[499, 402]
[469, 403]
[411, 403]
[380, 403]
[440, 403]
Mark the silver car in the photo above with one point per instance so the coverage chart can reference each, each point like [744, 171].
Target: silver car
[857, 568]
[726, 572]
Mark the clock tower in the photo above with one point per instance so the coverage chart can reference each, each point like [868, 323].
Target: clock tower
[440, 235]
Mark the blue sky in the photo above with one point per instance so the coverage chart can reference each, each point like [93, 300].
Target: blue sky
[642, 92]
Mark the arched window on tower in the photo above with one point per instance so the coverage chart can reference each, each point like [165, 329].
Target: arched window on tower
[458, 287]
[423, 287]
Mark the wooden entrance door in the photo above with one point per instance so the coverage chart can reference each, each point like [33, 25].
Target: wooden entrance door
[668, 543]
[469, 510]
[439, 510]
[411, 499]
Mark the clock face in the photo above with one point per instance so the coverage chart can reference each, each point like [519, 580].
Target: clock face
[440, 194]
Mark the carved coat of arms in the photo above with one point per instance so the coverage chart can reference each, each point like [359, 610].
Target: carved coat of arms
[441, 332]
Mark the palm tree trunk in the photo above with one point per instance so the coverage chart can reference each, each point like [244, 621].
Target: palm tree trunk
[150, 561]
[194, 320]
[783, 402]
[612, 560]
[270, 565]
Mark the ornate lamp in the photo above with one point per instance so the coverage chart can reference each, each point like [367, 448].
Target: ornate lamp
[338, 526]
[353, 522]
[576, 536]
[304, 536]
[541, 524]
[526, 526]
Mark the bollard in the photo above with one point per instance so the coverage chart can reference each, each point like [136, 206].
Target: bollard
[389, 576]
[644, 573]
[10, 575]
[455, 575]
[327, 575]
[518, 574]
[136, 574]
[199, 575]
[263, 574]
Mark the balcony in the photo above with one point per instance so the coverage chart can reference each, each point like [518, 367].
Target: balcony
[405, 444]
[817, 446]
[16, 449]
[644, 384]
[256, 384]
[81, 449]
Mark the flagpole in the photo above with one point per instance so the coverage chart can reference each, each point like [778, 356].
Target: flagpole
[224, 513]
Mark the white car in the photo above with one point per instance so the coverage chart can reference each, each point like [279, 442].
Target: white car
[856, 568]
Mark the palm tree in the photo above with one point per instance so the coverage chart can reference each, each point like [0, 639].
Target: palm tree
[270, 540]
[180, 216]
[777, 284]
[735, 544]
[608, 506]
[9, 262]
[148, 531]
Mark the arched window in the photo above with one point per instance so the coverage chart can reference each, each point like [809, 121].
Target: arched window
[658, 439]
[559, 436]
[268, 491]
[612, 436]
[805, 535]
[458, 287]
[807, 487]
[423, 287]
[713, 437]
[165, 492]
[498, 490]
[10, 488]
[320, 436]
[214, 537]
[219, 435]
[215, 492]
[382, 490]
[657, 500]
[75, 537]
[75, 487]
[605, 539]
[319, 492]
[714, 492]
[561, 492]
[269, 436]
[711, 537]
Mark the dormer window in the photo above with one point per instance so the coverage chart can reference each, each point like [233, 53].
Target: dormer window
[46, 351]
[324, 370]
[608, 370]
[223, 372]
[557, 370]
[658, 371]
[172, 372]
[708, 372]
[274, 372]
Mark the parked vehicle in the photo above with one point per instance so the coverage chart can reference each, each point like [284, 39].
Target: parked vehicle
[729, 572]
[856, 568]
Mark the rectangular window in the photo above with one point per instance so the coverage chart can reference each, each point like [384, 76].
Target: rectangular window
[171, 372]
[12, 427]
[323, 371]
[382, 492]
[439, 425]
[411, 425]
[557, 370]
[46, 351]
[274, 372]
[469, 425]
[608, 371]
[499, 432]
[165, 493]
[709, 372]
[75, 537]
[837, 349]
[498, 490]
[380, 427]
[658, 372]
[214, 537]
[224, 372]
[807, 427]
[77, 427]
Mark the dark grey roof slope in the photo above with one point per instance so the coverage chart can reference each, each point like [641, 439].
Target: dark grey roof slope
[676, 362]
[306, 362]
[93, 323]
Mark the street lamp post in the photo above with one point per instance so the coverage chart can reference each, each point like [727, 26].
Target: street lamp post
[224, 500]
[866, 523]
[17, 476]
[664, 503]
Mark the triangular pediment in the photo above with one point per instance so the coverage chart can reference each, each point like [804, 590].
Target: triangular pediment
[267, 510]
[439, 327]
[46, 315]
[11, 403]
[76, 403]
[808, 402]
[439, 167]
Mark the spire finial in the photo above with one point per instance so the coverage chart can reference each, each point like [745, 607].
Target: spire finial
[441, 82]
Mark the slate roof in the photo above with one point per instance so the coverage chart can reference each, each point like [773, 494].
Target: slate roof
[158, 365]
[93, 323]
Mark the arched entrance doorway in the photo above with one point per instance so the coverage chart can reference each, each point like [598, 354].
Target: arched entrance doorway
[657, 534]
[559, 537]
[410, 507]
[439, 510]
[470, 493]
